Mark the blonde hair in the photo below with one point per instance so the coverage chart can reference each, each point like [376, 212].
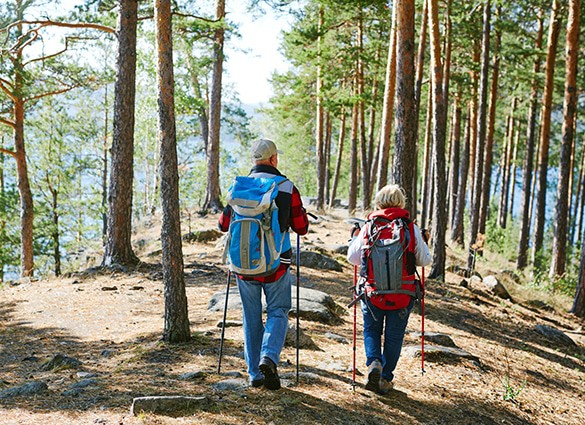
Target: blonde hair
[390, 196]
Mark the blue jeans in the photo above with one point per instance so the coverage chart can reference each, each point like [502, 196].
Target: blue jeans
[396, 321]
[260, 340]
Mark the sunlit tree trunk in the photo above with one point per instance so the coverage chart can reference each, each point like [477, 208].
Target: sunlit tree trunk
[118, 249]
[388, 107]
[455, 158]
[528, 167]
[339, 159]
[319, 114]
[405, 144]
[353, 160]
[457, 228]
[474, 206]
[176, 320]
[560, 224]
[553, 37]
[489, 147]
[439, 128]
[213, 192]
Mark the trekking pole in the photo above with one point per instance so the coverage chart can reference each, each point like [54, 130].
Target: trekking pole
[298, 296]
[227, 292]
[353, 384]
[422, 308]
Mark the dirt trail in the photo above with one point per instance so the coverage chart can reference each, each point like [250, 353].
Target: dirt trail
[112, 323]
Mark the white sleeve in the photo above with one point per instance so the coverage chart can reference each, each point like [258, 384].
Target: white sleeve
[354, 252]
[422, 253]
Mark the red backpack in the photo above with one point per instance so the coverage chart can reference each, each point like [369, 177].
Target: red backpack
[388, 261]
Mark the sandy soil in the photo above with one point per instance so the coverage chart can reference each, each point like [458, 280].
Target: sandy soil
[112, 322]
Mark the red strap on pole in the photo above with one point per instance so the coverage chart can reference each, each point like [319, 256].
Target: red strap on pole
[422, 339]
[353, 384]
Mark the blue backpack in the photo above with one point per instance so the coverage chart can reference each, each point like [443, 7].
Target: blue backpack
[254, 242]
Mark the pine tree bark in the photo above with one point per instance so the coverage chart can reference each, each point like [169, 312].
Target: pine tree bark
[363, 144]
[553, 37]
[176, 322]
[405, 143]
[388, 107]
[578, 308]
[213, 192]
[481, 132]
[489, 147]
[439, 127]
[319, 114]
[118, 249]
[522, 260]
[506, 164]
[340, 143]
[454, 173]
[427, 174]
[457, 228]
[560, 224]
[353, 160]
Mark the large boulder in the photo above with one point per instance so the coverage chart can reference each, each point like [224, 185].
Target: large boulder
[316, 260]
[555, 335]
[493, 285]
[313, 305]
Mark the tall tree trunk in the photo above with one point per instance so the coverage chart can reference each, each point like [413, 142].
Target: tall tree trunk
[419, 68]
[55, 229]
[176, 324]
[26, 198]
[439, 128]
[577, 212]
[454, 173]
[3, 208]
[213, 192]
[388, 107]
[475, 204]
[553, 37]
[513, 170]
[339, 158]
[202, 111]
[522, 260]
[560, 224]
[365, 163]
[578, 308]
[457, 231]
[328, 135]
[427, 180]
[506, 163]
[353, 160]
[473, 118]
[118, 249]
[405, 144]
[105, 150]
[489, 147]
[320, 147]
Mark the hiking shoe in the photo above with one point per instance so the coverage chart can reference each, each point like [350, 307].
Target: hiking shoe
[374, 373]
[268, 369]
[385, 386]
[257, 383]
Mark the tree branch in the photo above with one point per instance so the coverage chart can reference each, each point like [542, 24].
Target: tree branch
[46, 23]
[199, 18]
[50, 93]
[8, 122]
[5, 89]
[8, 152]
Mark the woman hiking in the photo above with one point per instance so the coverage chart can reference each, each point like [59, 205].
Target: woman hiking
[387, 248]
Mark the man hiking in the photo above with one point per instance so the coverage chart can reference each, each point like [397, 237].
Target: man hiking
[263, 342]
